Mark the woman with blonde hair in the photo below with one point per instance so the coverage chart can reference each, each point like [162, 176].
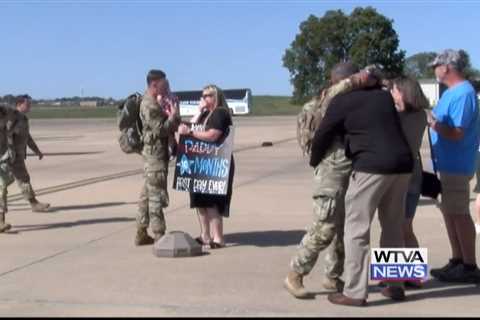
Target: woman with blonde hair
[211, 124]
[411, 103]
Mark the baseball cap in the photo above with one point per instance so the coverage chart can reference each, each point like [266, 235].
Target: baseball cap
[451, 57]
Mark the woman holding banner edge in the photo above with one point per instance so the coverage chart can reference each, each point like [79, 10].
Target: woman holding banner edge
[212, 125]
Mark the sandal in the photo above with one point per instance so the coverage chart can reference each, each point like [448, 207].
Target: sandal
[200, 241]
[216, 245]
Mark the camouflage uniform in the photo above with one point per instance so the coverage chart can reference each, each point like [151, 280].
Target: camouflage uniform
[157, 127]
[7, 155]
[22, 139]
[331, 178]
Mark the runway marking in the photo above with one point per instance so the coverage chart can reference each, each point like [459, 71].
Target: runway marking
[280, 170]
[123, 174]
[77, 184]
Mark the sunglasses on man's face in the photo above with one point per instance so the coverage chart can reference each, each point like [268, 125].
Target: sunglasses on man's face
[204, 96]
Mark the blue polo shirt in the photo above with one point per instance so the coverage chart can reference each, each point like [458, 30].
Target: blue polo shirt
[457, 108]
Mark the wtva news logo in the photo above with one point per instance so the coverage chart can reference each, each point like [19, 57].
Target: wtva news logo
[399, 264]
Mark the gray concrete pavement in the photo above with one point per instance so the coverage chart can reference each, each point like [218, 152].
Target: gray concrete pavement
[79, 260]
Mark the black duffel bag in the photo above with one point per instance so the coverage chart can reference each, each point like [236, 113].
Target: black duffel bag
[431, 186]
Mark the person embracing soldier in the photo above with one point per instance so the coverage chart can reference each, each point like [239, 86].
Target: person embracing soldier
[330, 184]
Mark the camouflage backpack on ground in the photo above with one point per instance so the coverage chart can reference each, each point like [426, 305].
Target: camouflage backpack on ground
[130, 125]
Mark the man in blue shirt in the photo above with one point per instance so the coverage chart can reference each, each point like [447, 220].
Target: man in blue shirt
[455, 139]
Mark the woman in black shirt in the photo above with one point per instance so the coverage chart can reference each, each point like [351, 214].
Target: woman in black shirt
[212, 125]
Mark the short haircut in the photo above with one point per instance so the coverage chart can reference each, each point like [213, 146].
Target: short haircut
[21, 99]
[343, 70]
[155, 75]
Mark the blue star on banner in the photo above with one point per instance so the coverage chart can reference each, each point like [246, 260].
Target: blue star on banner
[185, 165]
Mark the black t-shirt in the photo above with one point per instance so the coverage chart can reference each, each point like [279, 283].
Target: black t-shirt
[220, 119]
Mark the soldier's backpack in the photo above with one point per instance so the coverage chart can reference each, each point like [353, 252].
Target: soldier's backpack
[129, 124]
[307, 121]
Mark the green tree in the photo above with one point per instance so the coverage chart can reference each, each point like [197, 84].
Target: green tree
[471, 72]
[417, 65]
[363, 37]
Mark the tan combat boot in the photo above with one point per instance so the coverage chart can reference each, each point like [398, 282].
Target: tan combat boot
[294, 284]
[142, 238]
[39, 206]
[4, 226]
[333, 284]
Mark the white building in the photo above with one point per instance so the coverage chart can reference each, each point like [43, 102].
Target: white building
[88, 104]
[432, 90]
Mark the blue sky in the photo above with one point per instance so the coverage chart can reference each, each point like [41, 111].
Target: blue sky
[57, 48]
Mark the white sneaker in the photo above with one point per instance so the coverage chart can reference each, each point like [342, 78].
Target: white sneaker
[477, 228]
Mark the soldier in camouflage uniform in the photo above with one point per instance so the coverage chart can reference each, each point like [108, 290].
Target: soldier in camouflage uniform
[331, 178]
[7, 156]
[160, 119]
[22, 139]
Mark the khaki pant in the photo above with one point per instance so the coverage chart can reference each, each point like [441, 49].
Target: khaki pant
[455, 194]
[366, 193]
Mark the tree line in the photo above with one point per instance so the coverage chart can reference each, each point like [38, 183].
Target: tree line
[364, 37]
[9, 99]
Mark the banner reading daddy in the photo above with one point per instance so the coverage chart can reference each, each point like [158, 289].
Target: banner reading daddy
[203, 167]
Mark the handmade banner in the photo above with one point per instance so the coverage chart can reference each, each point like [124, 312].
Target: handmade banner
[203, 167]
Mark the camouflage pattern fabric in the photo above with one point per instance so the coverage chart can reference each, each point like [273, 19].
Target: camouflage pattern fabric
[153, 198]
[157, 128]
[22, 137]
[330, 184]
[312, 113]
[21, 140]
[7, 152]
